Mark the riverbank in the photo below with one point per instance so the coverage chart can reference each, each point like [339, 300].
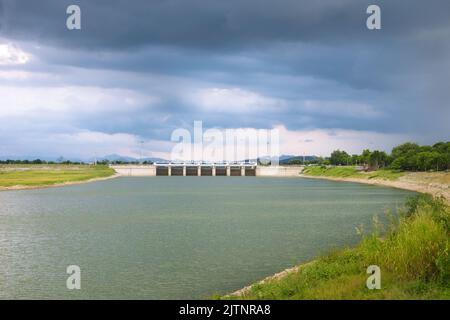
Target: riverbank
[413, 256]
[19, 177]
[434, 183]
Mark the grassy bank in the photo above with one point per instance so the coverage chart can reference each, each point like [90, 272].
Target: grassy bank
[435, 183]
[351, 172]
[413, 254]
[47, 175]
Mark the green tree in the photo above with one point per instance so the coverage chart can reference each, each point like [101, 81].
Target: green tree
[339, 157]
[295, 162]
[405, 149]
[365, 157]
[356, 159]
[378, 159]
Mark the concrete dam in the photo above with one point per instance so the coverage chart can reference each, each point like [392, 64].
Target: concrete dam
[200, 170]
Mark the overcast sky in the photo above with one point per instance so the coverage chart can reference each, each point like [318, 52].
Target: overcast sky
[140, 69]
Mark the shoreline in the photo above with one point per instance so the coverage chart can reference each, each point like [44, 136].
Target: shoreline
[276, 276]
[433, 189]
[57, 185]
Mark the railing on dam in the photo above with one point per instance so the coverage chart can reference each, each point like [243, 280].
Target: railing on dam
[207, 169]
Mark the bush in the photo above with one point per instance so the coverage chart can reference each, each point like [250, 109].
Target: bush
[418, 246]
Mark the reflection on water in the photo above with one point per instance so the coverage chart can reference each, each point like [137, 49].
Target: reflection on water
[174, 237]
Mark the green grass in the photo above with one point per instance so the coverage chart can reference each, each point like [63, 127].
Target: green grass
[351, 172]
[384, 174]
[45, 175]
[413, 254]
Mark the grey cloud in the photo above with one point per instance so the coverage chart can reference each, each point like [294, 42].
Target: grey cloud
[214, 23]
[287, 50]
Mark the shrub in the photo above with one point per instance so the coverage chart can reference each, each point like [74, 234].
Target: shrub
[418, 246]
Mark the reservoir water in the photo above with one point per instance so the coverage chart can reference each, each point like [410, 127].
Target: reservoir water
[175, 237]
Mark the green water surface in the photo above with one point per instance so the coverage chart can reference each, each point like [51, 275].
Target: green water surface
[175, 237]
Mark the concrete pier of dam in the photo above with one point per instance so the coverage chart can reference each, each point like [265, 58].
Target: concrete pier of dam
[231, 170]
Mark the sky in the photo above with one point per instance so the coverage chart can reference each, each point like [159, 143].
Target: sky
[138, 70]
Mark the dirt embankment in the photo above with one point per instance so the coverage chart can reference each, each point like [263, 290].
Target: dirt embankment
[435, 183]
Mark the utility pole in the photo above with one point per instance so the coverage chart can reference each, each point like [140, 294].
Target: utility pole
[142, 143]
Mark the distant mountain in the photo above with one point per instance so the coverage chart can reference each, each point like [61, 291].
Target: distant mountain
[301, 158]
[284, 159]
[115, 157]
[118, 157]
[156, 160]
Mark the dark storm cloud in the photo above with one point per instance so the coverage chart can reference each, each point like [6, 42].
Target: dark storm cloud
[186, 36]
[193, 36]
[216, 24]
[212, 24]
[307, 64]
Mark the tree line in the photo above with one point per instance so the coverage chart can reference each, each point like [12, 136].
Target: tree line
[37, 161]
[100, 162]
[405, 157]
